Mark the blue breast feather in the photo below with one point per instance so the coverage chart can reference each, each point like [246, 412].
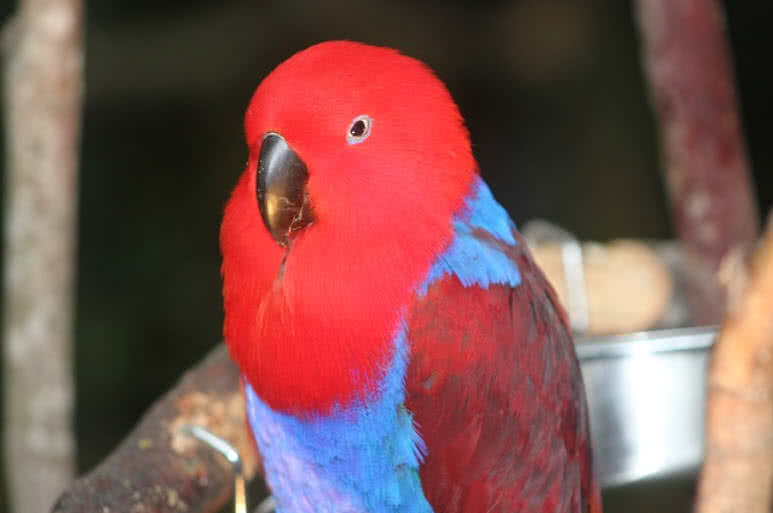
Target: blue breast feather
[365, 457]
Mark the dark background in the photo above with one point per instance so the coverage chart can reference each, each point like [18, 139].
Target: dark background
[552, 91]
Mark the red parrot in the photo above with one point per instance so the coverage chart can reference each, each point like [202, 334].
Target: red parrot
[401, 351]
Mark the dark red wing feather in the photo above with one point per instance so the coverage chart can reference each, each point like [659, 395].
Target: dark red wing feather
[497, 395]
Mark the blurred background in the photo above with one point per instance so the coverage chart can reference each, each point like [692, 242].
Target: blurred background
[553, 94]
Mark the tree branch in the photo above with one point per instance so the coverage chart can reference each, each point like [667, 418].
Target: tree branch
[689, 70]
[43, 96]
[738, 467]
[160, 468]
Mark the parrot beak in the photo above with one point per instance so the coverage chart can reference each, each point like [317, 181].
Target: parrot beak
[281, 187]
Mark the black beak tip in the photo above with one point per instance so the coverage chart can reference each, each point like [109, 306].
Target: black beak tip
[281, 189]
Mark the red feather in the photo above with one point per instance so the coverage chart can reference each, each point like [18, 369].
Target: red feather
[498, 397]
[313, 327]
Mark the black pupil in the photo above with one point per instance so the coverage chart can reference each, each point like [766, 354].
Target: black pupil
[358, 128]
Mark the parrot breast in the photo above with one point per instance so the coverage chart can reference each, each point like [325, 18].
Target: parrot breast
[364, 458]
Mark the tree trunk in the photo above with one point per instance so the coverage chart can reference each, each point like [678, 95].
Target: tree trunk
[43, 96]
[690, 74]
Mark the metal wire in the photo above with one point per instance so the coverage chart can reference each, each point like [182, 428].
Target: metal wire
[230, 453]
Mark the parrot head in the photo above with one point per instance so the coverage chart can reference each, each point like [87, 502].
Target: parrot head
[358, 158]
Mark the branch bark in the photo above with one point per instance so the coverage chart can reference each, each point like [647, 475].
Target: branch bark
[738, 467]
[158, 468]
[689, 71]
[43, 96]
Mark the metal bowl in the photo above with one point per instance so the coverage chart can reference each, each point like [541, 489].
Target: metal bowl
[646, 393]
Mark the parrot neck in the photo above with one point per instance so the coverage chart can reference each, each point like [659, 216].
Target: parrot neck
[364, 458]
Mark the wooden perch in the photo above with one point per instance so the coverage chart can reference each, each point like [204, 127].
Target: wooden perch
[160, 469]
[738, 468]
[689, 71]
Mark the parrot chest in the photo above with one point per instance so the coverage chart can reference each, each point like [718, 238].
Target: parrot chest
[360, 459]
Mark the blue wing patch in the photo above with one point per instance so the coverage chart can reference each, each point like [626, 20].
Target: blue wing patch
[471, 259]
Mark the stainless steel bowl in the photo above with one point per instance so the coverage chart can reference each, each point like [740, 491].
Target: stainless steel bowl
[647, 394]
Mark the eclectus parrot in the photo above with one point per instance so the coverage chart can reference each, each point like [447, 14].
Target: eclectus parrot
[401, 351]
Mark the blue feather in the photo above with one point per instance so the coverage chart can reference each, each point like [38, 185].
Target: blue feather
[365, 457]
[471, 259]
[362, 458]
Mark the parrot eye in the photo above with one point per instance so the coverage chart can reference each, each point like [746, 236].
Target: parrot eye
[359, 130]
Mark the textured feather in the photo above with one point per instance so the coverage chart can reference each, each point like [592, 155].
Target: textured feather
[497, 394]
